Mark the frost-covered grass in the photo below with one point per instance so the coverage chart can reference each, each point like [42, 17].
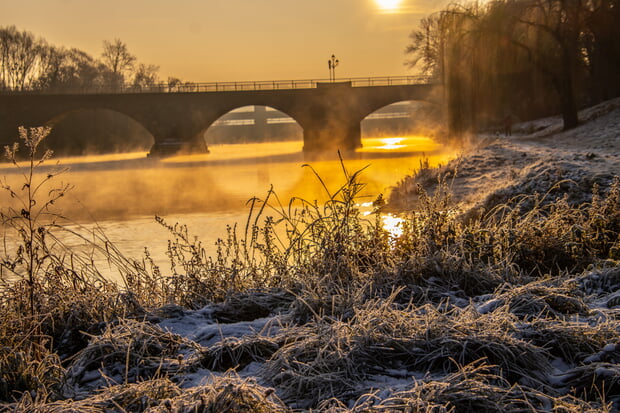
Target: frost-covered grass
[317, 307]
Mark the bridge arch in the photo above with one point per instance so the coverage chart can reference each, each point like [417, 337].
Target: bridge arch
[253, 123]
[402, 117]
[82, 131]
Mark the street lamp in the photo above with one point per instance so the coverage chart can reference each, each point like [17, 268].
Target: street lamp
[332, 63]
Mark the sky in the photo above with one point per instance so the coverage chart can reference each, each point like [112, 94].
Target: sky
[234, 40]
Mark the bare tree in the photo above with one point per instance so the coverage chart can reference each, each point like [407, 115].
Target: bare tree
[70, 70]
[446, 47]
[118, 60]
[145, 76]
[554, 30]
[603, 48]
[20, 53]
[426, 47]
[53, 69]
[493, 56]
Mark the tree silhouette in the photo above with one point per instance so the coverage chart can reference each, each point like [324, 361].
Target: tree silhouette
[118, 60]
[528, 56]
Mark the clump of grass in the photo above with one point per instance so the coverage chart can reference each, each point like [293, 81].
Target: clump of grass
[441, 246]
[597, 381]
[407, 191]
[472, 388]
[136, 397]
[228, 393]
[428, 338]
[224, 394]
[444, 253]
[127, 353]
[549, 298]
[251, 305]
[316, 363]
[23, 372]
[571, 341]
[556, 236]
[330, 358]
[133, 397]
[198, 279]
[318, 251]
[236, 353]
[601, 281]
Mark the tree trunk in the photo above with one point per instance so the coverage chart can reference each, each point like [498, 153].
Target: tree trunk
[566, 90]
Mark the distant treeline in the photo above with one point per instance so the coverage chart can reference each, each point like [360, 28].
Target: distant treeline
[30, 62]
[522, 59]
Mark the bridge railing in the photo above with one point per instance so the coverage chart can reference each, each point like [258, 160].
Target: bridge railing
[193, 87]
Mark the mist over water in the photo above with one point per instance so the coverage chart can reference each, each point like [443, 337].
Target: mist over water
[123, 193]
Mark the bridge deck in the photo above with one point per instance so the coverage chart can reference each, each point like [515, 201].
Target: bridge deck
[193, 87]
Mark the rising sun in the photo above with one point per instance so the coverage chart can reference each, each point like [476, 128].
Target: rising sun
[388, 5]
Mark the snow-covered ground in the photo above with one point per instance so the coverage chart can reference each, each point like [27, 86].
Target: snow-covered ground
[537, 156]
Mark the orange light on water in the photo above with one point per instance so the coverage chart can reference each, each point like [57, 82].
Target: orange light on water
[400, 144]
[89, 159]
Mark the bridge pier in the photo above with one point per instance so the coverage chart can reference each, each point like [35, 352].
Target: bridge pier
[177, 144]
[333, 124]
[337, 135]
[174, 133]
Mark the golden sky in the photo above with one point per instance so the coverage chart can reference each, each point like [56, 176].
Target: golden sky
[228, 40]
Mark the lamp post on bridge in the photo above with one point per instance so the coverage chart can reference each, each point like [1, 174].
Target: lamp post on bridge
[332, 63]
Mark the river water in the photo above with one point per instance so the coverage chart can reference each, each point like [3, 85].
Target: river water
[123, 193]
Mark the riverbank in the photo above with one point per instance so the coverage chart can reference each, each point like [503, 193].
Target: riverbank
[533, 159]
[493, 299]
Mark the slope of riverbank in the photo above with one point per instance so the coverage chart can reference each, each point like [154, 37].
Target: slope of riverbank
[536, 157]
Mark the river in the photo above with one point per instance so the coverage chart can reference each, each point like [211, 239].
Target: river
[123, 193]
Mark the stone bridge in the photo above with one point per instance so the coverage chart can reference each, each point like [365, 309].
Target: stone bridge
[330, 113]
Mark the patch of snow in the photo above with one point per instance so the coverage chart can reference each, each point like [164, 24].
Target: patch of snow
[198, 326]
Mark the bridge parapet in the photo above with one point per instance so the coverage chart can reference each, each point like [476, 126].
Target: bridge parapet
[201, 87]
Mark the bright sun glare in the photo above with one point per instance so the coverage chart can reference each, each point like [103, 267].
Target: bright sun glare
[388, 5]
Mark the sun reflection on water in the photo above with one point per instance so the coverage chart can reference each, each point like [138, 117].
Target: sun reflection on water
[392, 224]
[389, 222]
[391, 143]
[400, 144]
